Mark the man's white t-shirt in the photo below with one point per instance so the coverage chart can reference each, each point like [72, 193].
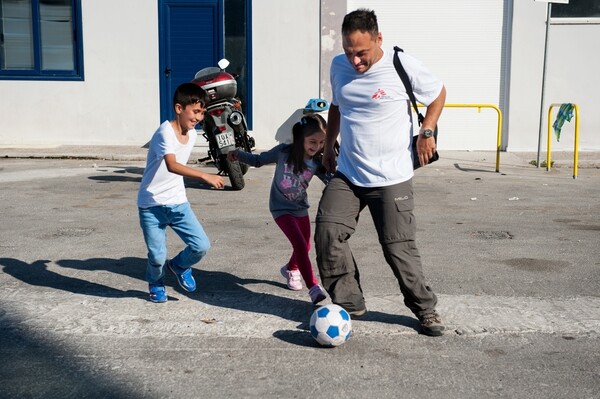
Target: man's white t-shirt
[159, 186]
[376, 119]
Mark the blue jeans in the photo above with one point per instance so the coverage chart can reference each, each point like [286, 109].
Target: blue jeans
[183, 221]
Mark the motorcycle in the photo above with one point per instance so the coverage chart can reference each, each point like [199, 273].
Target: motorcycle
[224, 125]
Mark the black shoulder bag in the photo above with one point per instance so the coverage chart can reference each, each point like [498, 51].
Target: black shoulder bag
[404, 77]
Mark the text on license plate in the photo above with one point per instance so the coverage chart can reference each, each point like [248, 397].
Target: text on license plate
[225, 139]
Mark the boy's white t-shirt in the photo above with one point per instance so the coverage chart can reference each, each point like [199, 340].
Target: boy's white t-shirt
[159, 186]
[376, 119]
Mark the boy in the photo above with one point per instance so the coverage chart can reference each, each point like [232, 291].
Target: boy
[162, 199]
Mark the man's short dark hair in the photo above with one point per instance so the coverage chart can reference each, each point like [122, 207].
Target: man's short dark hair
[363, 20]
[190, 93]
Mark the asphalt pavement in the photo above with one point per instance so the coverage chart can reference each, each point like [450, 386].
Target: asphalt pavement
[513, 256]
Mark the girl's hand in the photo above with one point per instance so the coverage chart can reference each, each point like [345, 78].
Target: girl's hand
[232, 155]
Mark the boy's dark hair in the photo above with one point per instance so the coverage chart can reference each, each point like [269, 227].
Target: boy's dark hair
[308, 125]
[190, 93]
[363, 20]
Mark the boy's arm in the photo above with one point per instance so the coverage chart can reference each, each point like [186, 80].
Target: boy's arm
[175, 167]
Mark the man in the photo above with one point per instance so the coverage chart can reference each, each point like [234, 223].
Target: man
[370, 110]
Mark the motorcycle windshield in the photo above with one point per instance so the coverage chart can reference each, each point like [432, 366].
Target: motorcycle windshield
[207, 73]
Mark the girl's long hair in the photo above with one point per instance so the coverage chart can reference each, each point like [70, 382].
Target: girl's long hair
[306, 127]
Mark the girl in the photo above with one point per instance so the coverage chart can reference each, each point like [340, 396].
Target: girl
[296, 164]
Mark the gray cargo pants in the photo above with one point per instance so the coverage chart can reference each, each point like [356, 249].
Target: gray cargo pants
[391, 208]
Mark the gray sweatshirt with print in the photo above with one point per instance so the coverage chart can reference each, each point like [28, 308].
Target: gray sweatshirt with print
[288, 189]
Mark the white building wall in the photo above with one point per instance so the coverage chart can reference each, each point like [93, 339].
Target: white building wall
[285, 59]
[571, 76]
[117, 104]
[493, 52]
[465, 42]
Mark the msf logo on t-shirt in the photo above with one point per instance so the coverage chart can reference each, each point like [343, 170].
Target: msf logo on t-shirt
[380, 95]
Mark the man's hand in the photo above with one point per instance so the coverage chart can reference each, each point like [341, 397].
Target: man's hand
[329, 160]
[425, 149]
[426, 146]
[333, 130]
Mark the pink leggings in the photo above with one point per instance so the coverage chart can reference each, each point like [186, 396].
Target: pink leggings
[297, 230]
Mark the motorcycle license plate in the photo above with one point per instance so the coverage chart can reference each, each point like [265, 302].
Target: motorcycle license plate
[225, 139]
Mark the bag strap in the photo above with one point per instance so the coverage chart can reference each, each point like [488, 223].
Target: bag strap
[404, 77]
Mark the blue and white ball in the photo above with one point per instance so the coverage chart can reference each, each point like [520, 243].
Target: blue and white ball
[330, 325]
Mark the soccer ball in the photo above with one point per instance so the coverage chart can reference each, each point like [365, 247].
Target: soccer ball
[330, 325]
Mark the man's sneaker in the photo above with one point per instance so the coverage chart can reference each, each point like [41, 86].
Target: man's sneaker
[355, 314]
[317, 294]
[431, 324]
[294, 278]
[185, 279]
[158, 293]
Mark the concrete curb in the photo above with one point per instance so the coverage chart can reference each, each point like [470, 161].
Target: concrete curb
[134, 153]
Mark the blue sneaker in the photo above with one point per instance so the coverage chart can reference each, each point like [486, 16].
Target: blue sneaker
[158, 293]
[185, 279]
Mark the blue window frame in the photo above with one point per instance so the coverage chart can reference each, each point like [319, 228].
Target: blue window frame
[41, 40]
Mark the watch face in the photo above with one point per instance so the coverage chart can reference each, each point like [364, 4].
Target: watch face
[427, 133]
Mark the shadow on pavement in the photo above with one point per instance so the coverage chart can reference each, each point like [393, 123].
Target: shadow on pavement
[34, 367]
[463, 169]
[387, 318]
[189, 182]
[227, 290]
[294, 337]
[37, 273]
[215, 288]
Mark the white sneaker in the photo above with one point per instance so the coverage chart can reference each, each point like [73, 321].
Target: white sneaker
[317, 294]
[293, 277]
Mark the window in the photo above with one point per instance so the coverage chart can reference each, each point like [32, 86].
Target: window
[41, 39]
[577, 9]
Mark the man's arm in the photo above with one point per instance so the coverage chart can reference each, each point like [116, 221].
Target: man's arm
[183, 170]
[426, 146]
[333, 131]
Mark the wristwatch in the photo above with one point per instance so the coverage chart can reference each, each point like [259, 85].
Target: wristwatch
[427, 133]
